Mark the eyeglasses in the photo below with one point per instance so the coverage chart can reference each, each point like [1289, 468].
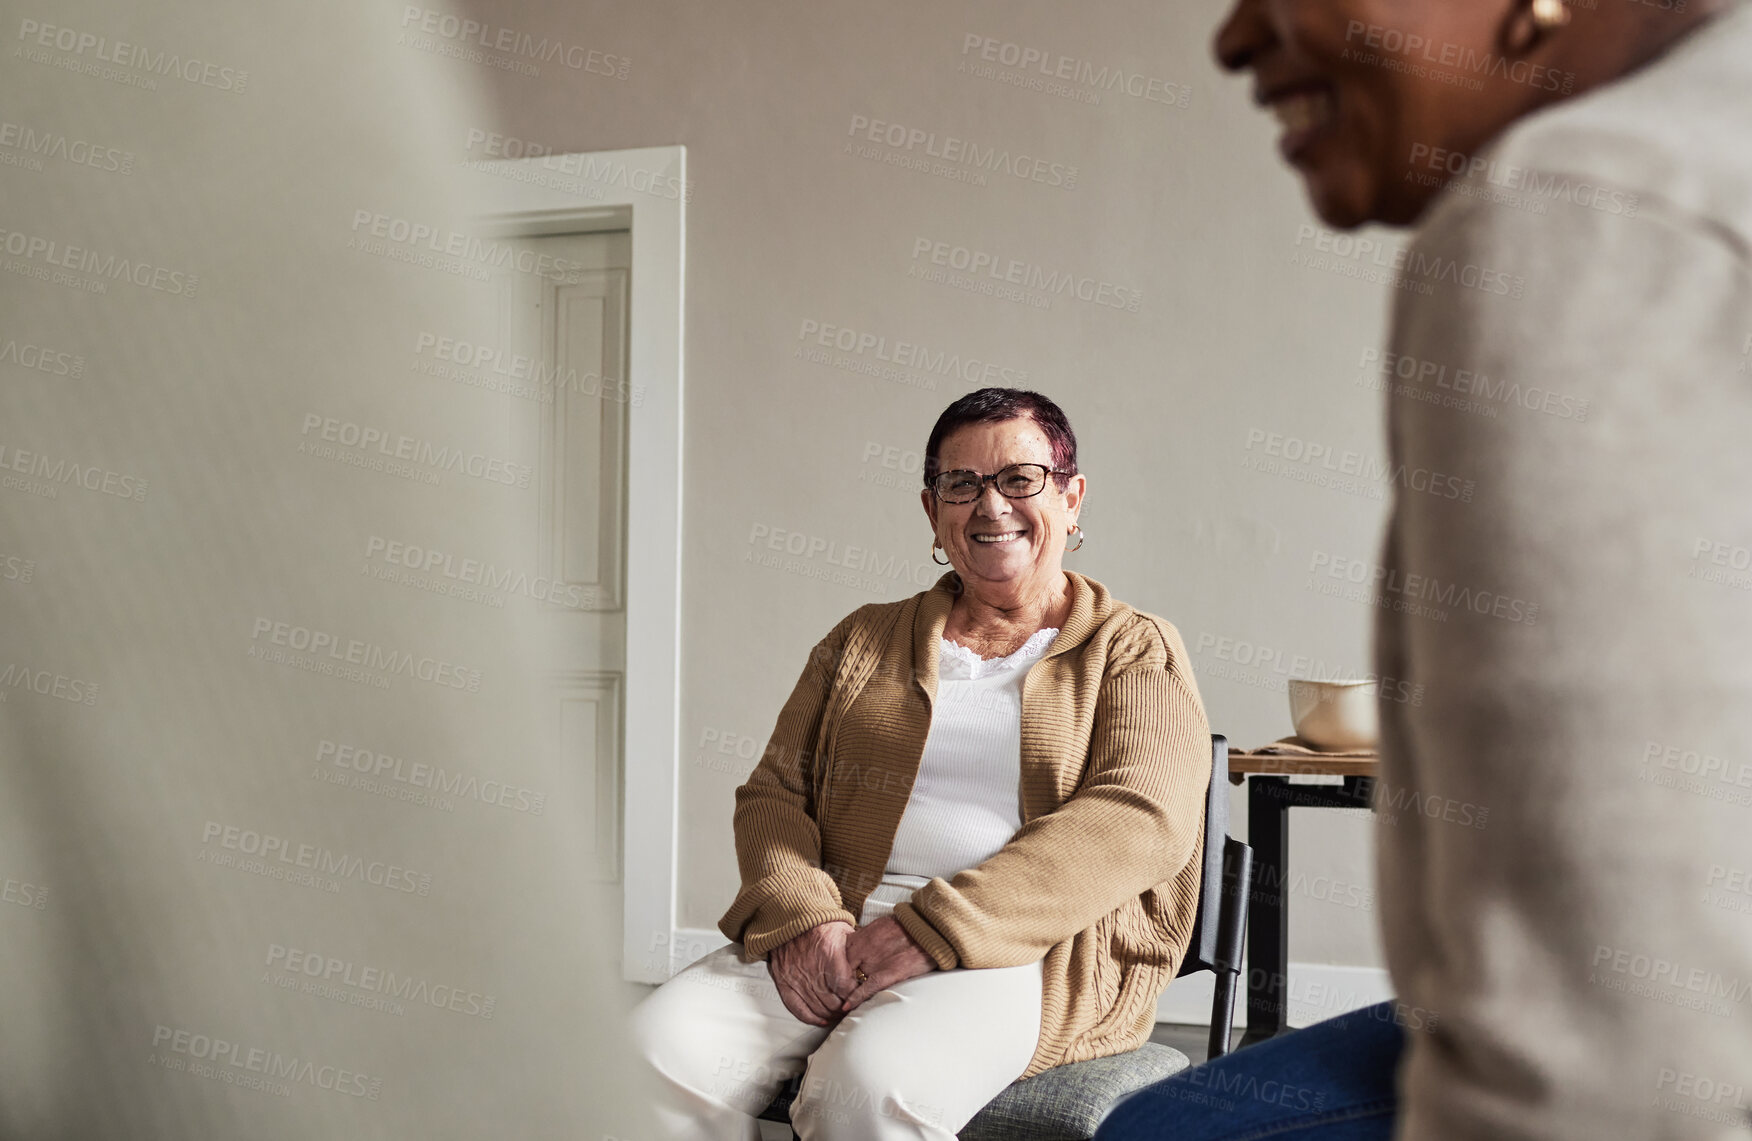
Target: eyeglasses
[1018, 481]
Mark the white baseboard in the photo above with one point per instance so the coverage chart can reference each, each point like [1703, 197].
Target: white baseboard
[1317, 991]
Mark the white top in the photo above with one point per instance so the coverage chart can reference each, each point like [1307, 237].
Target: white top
[967, 800]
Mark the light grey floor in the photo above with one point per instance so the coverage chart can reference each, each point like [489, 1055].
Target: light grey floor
[1189, 1040]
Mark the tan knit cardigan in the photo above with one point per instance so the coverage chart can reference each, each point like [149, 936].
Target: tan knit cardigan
[1102, 878]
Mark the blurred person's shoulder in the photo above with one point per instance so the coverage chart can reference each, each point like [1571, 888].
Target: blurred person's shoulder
[1672, 139]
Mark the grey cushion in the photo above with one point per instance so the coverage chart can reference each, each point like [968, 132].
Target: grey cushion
[1067, 1103]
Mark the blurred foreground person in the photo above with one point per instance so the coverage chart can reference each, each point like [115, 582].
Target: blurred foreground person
[285, 852]
[1571, 335]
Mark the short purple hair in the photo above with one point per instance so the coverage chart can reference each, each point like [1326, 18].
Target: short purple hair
[996, 405]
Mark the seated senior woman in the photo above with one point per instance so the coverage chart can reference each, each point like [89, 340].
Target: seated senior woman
[970, 851]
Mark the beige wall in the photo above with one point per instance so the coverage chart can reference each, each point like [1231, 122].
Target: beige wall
[1186, 207]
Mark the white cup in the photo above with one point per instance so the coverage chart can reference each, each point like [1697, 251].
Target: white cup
[1335, 715]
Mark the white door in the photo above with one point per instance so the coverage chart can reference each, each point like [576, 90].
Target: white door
[571, 412]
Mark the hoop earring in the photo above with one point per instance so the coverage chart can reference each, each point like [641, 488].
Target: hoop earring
[1531, 24]
[1550, 14]
[1078, 532]
[935, 547]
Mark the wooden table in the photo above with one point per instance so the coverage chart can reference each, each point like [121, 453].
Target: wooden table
[1270, 796]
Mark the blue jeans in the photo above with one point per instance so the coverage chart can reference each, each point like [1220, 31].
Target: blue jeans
[1333, 1081]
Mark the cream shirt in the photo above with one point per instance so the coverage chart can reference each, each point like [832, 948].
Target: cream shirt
[966, 801]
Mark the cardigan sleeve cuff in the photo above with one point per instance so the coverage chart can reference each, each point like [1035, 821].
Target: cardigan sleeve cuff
[781, 907]
[765, 916]
[926, 936]
[756, 944]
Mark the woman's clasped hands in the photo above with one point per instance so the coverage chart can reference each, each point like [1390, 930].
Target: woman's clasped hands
[830, 969]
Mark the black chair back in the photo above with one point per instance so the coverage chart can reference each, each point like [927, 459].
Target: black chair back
[1201, 953]
[1225, 887]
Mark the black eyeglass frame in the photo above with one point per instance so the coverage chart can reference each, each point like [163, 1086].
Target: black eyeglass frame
[991, 479]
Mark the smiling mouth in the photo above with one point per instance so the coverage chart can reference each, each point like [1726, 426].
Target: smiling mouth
[1304, 113]
[998, 537]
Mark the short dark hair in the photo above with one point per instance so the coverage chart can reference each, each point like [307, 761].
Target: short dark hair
[996, 405]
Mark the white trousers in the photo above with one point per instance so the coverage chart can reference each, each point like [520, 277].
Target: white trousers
[917, 1060]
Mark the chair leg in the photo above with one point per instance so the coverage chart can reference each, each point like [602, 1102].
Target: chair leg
[1231, 941]
[1222, 1014]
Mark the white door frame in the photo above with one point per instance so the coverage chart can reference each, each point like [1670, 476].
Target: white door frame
[644, 191]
